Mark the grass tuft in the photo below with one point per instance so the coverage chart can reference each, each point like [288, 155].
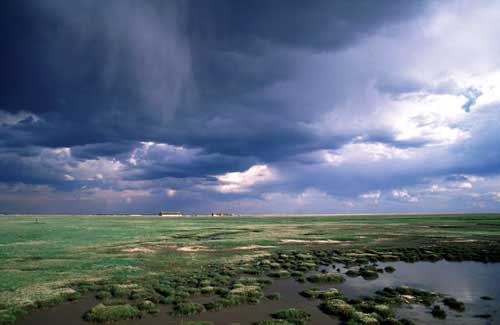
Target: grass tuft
[188, 309]
[104, 314]
[454, 304]
[326, 278]
[293, 316]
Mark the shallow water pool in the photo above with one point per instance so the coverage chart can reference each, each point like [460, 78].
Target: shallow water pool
[466, 281]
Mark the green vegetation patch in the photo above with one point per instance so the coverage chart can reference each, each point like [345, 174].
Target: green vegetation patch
[279, 274]
[149, 307]
[11, 315]
[389, 269]
[246, 291]
[240, 294]
[274, 322]
[326, 278]
[314, 293]
[487, 298]
[350, 314]
[438, 312]
[311, 293]
[104, 314]
[274, 296]
[378, 308]
[404, 294]
[188, 309]
[293, 316]
[338, 307]
[454, 304]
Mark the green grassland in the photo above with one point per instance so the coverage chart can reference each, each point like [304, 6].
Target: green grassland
[40, 256]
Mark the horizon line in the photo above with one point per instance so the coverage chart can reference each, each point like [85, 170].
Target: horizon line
[253, 214]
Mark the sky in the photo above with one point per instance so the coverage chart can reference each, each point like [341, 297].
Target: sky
[249, 107]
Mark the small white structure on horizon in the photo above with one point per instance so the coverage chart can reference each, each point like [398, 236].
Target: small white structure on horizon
[170, 214]
[221, 214]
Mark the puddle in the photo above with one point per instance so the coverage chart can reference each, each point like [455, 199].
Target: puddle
[213, 237]
[466, 281]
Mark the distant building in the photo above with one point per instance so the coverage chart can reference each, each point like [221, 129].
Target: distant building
[221, 214]
[170, 214]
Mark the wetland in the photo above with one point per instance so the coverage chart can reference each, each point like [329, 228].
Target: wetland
[332, 270]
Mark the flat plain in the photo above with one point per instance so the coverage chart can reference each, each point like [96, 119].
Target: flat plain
[43, 256]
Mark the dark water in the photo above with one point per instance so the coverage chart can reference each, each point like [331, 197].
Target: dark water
[466, 281]
[213, 237]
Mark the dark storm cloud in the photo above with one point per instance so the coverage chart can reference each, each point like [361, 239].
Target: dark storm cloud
[103, 97]
[132, 71]
[479, 155]
[249, 45]
[108, 149]
[320, 25]
[156, 161]
[92, 71]
[39, 168]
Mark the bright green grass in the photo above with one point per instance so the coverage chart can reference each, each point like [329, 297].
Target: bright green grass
[38, 259]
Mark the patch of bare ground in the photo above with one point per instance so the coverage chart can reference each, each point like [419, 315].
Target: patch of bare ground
[253, 256]
[194, 249]
[312, 241]
[251, 247]
[378, 240]
[139, 250]
[463, 241]
[24, 243]
[408, 299]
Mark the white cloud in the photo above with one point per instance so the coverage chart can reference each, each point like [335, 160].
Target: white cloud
[94, 169]
[443, 185]
[235, 182]
[473, 178]
[376, 151]
[170, 192]
[332, 159]
[464, 185]
[375, 196]
[159, 152]
[68, 177]
[437, 189]
[61, 153]
[432, 55]
[364, 152]
[428, 118]
[495, 196]
[404, 196]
